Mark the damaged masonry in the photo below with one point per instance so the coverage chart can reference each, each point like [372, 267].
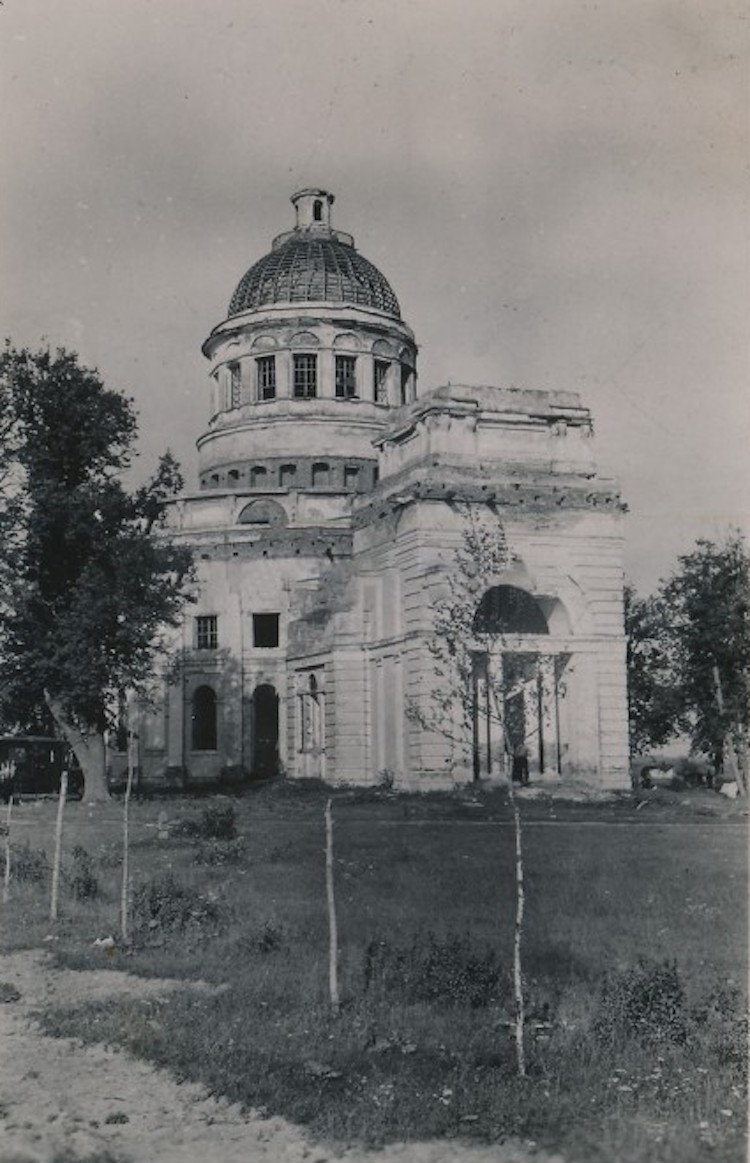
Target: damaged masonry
[331, 503]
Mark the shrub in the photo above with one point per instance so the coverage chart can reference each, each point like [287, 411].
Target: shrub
[217, 852]
[722, 1020]
[215, 823]
[165, 905]
[84, 883]
[645, 1002]
[29, 864]
[448, 971]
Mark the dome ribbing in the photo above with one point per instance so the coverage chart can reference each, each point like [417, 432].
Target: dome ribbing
[314, 264]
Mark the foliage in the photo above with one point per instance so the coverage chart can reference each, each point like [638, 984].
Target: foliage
[219, 822]
[709, 602]
[482, 554]
[165, 905]
[84, 883]
[29, 864]
[448, 971]
[696, 626]
[645, 1002]
[92, 588]
[654, 703]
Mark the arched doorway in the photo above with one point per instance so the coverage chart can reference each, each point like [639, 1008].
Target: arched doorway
[204, 733]
[516, 689]
[265, 761]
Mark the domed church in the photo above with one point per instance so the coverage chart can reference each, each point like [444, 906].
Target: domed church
[330, 503]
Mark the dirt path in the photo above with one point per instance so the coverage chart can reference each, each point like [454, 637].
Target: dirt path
[61, 1098]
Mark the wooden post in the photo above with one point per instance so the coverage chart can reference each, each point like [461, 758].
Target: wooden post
[520, 1016]
[6, 877]
[58, 844]
[333, 940]
[126, 832]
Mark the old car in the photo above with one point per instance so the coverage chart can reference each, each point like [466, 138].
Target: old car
[33, 765]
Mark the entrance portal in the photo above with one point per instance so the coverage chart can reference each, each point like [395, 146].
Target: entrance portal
[265, 732]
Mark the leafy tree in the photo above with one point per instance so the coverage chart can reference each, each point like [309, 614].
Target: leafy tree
[460, 643]
[708, 600]
[689, 653]
[654, 703]
[94, 588]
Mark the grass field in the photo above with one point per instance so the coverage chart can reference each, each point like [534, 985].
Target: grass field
[635, 955]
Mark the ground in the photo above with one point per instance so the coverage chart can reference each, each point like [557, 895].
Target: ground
[218, 1043]
[65, 1100]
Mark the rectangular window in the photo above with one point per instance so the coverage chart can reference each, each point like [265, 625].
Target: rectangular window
[381, 376]
[351, 476]
[235, 385]
[346, 376]
[265, 630]
[266, 377]
[207, 632]
[305, 377]
[405, 383]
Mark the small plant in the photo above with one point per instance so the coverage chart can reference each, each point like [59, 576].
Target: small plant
[645, 1002]
[218, 852]
[29, 864]
[214, 823]
[447, 971]
[167, 906]
[84, 883]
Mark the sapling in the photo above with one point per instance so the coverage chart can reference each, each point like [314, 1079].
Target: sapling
[333, 940]
[126, 830]
[7, 771]
[58, 843]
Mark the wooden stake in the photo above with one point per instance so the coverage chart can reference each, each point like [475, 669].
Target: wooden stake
[333, 940]
[520, 1017]
[58, 844]
[6, 878]
[126, 835]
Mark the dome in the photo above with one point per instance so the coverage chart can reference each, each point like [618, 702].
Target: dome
[314, 264]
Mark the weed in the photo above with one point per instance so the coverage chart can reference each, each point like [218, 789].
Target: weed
[449, 971]
[218, 852]
[268, 939]
[84, 883]
[218, 822]
[645, 1002]
[165, 905]
[29, 864]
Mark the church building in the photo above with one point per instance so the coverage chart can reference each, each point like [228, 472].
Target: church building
[331, 499]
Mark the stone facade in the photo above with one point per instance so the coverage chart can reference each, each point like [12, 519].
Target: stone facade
[333, 497]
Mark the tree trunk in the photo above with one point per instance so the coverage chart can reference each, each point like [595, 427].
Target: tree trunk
[57, 860]
[124, 930]
[333, 939]
[88, 749]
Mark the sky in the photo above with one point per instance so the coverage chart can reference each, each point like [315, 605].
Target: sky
[556, 190]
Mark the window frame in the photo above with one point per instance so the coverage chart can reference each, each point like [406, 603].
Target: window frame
[206, 631]
[381, 368]
[265, 384]
[345, 378]
[304, 375]
[235, 384]
[261, 624]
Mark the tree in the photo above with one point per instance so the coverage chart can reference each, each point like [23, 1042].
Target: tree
[94, 586]
[708, 600]
[654, 703]
[463, 644]
[689, 653]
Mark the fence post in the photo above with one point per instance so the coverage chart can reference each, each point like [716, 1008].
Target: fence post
[333, 940]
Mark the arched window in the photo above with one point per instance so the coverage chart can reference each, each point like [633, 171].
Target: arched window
[509, 610]
[257, 476]
[204, 732]
[317, 211]
[263, 512]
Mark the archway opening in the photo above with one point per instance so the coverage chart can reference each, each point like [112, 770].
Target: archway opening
[265, 762]
[516, 688]
[204, 719]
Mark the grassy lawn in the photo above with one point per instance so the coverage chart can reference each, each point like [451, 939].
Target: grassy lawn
[635, 959]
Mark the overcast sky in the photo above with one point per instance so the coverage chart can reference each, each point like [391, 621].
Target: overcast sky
[557, 191]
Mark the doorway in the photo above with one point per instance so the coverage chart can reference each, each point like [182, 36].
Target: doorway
[265, 762]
